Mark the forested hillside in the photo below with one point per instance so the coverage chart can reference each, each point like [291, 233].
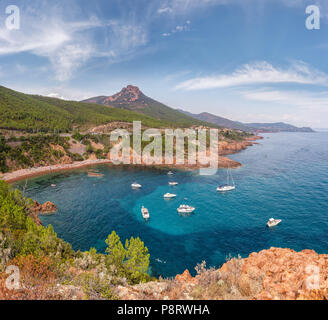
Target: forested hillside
[32, 113]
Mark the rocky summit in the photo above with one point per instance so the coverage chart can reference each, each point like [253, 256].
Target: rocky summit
[133, 99]
[129, 94]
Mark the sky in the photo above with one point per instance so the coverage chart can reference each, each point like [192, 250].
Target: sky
[247, 60]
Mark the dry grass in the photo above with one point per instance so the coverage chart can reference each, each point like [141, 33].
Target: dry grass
[231, 285]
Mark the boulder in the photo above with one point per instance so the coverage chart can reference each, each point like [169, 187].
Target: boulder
[46, 208]
[185, 277]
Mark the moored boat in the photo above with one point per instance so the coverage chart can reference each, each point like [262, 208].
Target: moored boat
[145, 213]
[136, 185]
[225, 187]
[173, 183]
[186, 209]
[169, 195]
[273, 222]
[229, 186]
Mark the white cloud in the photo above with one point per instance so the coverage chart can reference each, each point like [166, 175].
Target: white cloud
[64, 44]
[178, 28]
[302, 99]
[55, 95]
[178, 7]
[58, 33]
[59, 92]
[164, 10]
[69, 45]
[258, 73]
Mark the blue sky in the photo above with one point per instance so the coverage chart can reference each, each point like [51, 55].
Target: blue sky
[248, 60]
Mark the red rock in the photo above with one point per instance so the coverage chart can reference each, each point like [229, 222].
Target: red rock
[267, 275]
[185, 277]
[46, 208]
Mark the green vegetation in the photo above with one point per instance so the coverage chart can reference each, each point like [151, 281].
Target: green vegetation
[32, 113]
[236, 135]
[46, 261]
[158, 110]
[131, 260]
[22, 235]
[31, 151]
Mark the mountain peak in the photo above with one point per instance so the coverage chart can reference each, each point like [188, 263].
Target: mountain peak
[128, 94]
[131, 98]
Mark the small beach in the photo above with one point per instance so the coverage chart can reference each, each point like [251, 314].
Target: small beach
[38, 171]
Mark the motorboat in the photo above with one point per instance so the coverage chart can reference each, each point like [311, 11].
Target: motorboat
[186, 209]
[169, 195]
[145, 213]
[136, 185]
[170, 173]
[273, 222]
[53, 185]
[173, 183]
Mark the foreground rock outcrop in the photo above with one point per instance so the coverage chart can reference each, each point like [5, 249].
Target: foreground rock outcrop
[274, 274]
[46, 208]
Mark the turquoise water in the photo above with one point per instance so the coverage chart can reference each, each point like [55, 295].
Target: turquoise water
[285, 176]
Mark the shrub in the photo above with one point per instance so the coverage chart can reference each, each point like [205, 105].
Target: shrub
[131, 261]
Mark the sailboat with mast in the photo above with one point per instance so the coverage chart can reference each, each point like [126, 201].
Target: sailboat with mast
[230, 183]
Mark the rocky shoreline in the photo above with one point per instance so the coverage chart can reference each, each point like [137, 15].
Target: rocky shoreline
[225, 149]
[273, 274]
[46, 208]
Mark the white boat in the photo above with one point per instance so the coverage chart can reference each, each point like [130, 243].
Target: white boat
[186, 209]
[136, 185]
[53, 185]
[229, 186]
[224, 188]
[273, 222]
[170, 173]
[169, 195]
[145, 213]
[173, 183]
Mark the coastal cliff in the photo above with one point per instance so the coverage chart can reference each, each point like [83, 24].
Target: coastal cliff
[274, 274]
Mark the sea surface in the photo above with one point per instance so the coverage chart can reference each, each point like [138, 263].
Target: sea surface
[285, 176]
